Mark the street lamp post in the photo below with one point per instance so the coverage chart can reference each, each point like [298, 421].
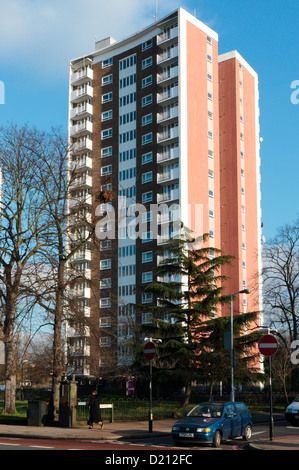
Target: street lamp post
[232, 351]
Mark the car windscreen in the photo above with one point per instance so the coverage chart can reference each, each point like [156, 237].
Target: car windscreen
[210, 410]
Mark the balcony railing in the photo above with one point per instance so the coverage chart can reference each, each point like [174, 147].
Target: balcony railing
[166, 177]
[84, 128]
[169, 113]
[169, 196]
[167, 155]
[82, 93]
[169, 134]
[168, 94]
[167, 54]
[168, 75]
[81, 111]
[167, 35]
[85, 144]
[81, 77]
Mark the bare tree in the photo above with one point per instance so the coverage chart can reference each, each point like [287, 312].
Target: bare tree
[22, 226]
[281, 280]
[69, 231]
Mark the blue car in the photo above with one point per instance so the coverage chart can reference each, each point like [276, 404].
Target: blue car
[212, 423]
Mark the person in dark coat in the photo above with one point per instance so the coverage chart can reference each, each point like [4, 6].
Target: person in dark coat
[94, 411]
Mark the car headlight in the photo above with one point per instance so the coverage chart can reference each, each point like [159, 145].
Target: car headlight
[203, 430]
[175, 428]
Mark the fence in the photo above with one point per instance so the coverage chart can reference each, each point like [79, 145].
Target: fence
[130, 409]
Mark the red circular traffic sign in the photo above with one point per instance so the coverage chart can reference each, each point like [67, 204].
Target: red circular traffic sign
[268, 345]
[149, 351]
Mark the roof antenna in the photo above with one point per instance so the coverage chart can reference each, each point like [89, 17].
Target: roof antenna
[156, 15]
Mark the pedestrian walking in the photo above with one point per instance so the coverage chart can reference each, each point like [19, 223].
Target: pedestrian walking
[94, 411]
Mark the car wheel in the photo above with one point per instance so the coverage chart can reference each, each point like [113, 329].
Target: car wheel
[217, 439]
[247, 433]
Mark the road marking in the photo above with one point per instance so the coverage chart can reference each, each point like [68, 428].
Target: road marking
[260, 432]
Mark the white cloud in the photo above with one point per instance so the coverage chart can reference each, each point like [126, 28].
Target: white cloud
[46, 34]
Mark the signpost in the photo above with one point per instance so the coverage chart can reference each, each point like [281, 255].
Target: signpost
[149, 352]
[268, 346]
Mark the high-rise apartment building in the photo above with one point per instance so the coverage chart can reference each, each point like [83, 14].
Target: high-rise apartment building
[158, 119]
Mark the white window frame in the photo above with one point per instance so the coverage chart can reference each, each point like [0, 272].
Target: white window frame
[107, 97]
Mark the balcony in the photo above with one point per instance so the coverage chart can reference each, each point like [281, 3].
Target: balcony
[168, 96]
[168, 35]
[172, 195]
[83, 163]
[75, 201]
[168, 176]
[167, 55]
[168, 75]
[168, 134]
[81, 129]
[81, 182]
[82, 255]
[83, 292]
[85, 92]
[81, 112]
[83, 145]
[78, 78]
[168, 154]
[168, 114]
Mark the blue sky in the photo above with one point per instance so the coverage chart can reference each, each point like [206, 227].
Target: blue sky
[39, 37]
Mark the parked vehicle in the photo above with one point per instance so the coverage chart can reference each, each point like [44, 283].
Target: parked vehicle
[212, 423]
[292, 412]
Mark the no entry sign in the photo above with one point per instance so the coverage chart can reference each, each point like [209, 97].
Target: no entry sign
[268, 345]
[149, 351]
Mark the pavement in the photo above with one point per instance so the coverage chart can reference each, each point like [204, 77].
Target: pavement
[136, 429]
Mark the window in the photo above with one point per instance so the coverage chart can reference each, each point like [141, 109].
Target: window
[147, 119]
[105, 245]
[147, 277]
[147, 237]
[107, 62]
[147, 318]
[105, 341]
[107, 79]
[105, 303]
[210, 134]
[107, 115]
[210, 96]
[147, 138]
[147, 157]
[209, 40]
[146, 177]
[127, 62]
[244, 264]
[147, 45]
[147, 197]
[105, 322]
[211, 154]
[106, 170]
[105, 264]
[146, 100]
[107, 97]
[147, 298]
[147, 256]
[210, 115]
[209, 77]
[107, 133]
[106, 152]
[147, 62]
[147, 81]
[211, 173]
[211, 214]
[211, 193]
[209, 57]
